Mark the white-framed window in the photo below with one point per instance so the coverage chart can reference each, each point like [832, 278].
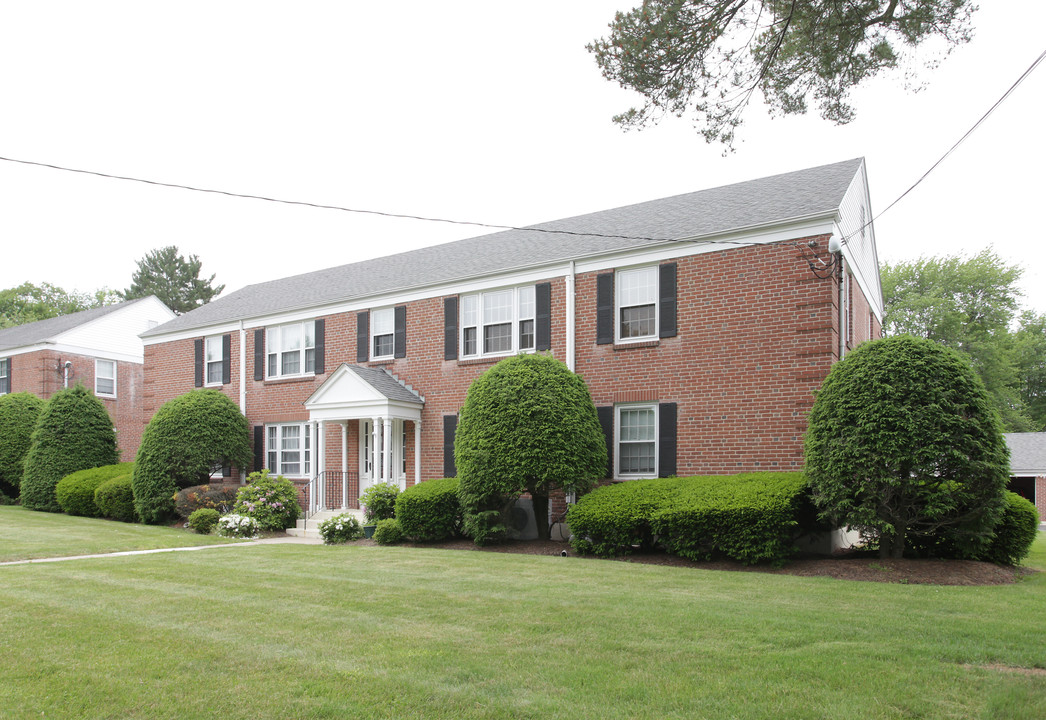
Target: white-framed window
[105, 378]
[636, 297]
[291, 349]
[288, 449]
[498, 322]
[214, 359]
[635, 446]
[382, 333]
[5, 376]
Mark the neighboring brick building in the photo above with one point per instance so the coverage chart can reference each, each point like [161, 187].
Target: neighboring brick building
[99, 348]
[1028, 467]
[702, 323]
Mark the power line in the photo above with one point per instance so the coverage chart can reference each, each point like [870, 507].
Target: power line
[959, 142]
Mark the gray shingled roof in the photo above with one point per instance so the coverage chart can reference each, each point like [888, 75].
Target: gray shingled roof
[386, 384]
[1027, 451]
[769, 200]
[44, 330]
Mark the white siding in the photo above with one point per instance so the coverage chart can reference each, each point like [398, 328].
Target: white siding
[854, 212]
[116, 334]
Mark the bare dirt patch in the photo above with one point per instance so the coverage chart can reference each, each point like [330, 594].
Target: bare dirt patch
[863, 568]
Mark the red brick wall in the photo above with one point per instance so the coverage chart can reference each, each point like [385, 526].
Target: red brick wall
[42, 374]
[1040, 497]
[757, 334]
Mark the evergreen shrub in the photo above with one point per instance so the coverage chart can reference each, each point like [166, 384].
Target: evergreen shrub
[429, 511]
[204, 520]
[1014, 533]
[216, 497]
[751, 518]
[186, 438]
[379, 501]
[74, 432]
[75, 492]
[18, 415]
[388, 532]
[115, 499]
[272, 500]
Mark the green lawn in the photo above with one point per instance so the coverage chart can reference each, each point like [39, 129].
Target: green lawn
[292, 631]
[25, 534]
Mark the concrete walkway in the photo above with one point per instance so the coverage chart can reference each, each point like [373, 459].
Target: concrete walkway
[280, 540]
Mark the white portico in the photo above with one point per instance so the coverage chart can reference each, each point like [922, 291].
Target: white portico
[372, 409]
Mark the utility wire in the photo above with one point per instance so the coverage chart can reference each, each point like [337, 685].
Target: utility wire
[959, 142]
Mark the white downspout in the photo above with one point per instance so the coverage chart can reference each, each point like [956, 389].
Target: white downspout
[243, 385]
[571, 317]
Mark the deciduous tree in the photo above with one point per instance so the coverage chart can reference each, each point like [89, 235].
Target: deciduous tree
[28, 302]
[708, 57]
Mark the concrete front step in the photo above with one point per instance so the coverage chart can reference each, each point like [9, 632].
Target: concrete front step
[311, 528]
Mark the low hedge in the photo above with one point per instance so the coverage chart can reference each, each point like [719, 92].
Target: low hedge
[751, 518]
[75, 492]
[429, 511]
[115, 499]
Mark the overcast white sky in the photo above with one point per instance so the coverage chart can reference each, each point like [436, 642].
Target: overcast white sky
[478, 111]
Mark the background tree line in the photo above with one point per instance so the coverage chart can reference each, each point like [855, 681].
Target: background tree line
[973, 305]
[163, 272]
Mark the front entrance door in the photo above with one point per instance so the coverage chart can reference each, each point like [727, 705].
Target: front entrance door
[371, 470]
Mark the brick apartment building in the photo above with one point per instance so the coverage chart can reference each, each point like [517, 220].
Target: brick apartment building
[702, 323]
[99, 348]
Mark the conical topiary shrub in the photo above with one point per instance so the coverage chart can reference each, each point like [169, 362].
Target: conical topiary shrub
[74, 432]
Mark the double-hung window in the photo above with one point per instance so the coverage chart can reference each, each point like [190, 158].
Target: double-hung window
[214, 357]
[5, 376]
[105, 377]
[498, 322]
[291, 349]
[382, 333]
[288, 449]
[636, 441]
[637, 304]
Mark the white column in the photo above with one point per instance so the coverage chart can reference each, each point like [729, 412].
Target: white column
[345, 465]
[375, 450]
[314, 472]
[386, 451]
[417, 455]
[321, 461]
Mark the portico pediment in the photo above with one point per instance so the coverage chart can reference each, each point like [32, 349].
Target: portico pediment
[353, 392]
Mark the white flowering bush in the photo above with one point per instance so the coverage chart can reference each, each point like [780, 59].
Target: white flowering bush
[238, 526]
[340, 528]
[271, 500]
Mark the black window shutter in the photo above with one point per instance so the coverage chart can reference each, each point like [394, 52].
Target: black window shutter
[399, 339]
[320, 347]
[259, 448]
[605, 308]
[450, 328]
[666, 439]
[259, 354]
[543, 316]
[198, 364]
[667, 284]
[606, 421]
[450, 426]
[226, 359]
[363, 336]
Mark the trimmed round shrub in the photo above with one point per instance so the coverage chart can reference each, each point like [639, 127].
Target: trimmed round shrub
[74, 432]
[616, 519]
[242, 527]
[903, 440]
[217, 497]
[340, 529]
[186, 438]
[204, 520]
[379, 501]
[1015, 533]
[430, 511]
[528, 425]
[272, 500]
[388, 532]
[18, 415]
[115, 499]
[75, 492]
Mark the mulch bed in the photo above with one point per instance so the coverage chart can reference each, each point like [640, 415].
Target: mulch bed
[853, 567]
